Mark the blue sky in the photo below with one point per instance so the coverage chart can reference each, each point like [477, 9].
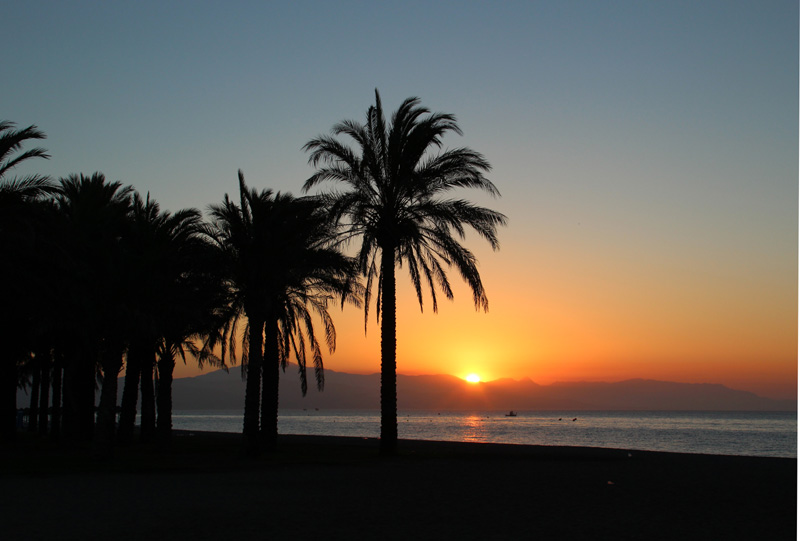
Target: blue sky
[636, 144]
[167, 95]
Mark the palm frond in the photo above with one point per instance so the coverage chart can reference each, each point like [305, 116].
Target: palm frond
[397, 175]
[28, 187]
[11, 141]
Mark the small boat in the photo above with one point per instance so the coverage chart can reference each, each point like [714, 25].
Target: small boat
[511, 413]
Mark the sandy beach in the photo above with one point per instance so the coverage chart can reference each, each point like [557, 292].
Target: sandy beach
[339, 488]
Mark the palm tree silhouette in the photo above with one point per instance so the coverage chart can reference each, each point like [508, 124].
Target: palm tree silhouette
[392, 201]
[21, 225]
[24, 288]
[169, 302]
[310, 276]
[143, 250]
[192, 302]
[94, 216]
[280, 271]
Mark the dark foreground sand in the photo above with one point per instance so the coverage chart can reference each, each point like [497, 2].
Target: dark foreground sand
[338, 488]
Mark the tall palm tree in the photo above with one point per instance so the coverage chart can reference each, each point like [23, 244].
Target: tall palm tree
[192, 305]
[393, 185]
[171, 292]
[312, 274]
[94, 214]
[279, 271]
[143, 255]
[160, 257]
[20, 236]
[240, 234]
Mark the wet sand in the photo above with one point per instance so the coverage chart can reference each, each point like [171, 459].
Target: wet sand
[339, 488]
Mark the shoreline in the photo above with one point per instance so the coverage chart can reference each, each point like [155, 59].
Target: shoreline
[740, 434]
[339, 488]
[466, 449]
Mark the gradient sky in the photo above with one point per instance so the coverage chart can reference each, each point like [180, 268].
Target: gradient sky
[646, 152]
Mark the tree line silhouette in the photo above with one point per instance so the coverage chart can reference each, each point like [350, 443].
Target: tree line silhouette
[98, 279]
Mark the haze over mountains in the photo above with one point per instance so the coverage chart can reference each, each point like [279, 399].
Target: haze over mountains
[221, 390]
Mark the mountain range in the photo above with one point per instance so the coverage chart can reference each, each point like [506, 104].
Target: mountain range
[223, 390]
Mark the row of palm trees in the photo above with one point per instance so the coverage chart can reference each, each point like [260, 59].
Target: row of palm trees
[97, 277]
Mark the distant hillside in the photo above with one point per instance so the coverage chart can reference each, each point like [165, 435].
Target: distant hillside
[221, 390]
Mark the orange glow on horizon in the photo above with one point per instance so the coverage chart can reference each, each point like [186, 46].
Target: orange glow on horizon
[557, 322]
[473, 378]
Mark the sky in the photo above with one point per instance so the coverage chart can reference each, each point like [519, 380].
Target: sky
[646, 153]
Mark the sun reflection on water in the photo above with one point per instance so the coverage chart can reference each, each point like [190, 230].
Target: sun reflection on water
[473, 428]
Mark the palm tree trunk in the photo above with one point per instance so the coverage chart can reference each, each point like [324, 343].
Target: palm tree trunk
[8, 379]
[45, 364]
[148, 417]
[79, 392]
[55, 418]
[130, 392]
[166, 365]
[33, 416]
[252, 396]
[107, 412]
[271, 376]
[388, 441]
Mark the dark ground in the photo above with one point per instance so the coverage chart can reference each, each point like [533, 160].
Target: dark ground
[338, 488]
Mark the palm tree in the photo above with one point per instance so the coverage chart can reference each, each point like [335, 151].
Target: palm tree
[239, 233]
[392, 199]
[192, 305]
[94, 214]
[169, 299]
[20, 234]
[147, 251]
[143, 255]
[310, 276]
[279, 271]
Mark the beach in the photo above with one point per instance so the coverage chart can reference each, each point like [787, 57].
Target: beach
[339, 488]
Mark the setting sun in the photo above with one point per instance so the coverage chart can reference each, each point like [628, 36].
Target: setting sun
[473, 378]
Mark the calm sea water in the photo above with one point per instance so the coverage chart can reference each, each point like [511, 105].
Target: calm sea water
[721, 433]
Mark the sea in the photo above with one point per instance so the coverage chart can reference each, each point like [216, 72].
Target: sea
[767, 434]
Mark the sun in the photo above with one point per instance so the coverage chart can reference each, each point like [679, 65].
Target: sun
[473, 378]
